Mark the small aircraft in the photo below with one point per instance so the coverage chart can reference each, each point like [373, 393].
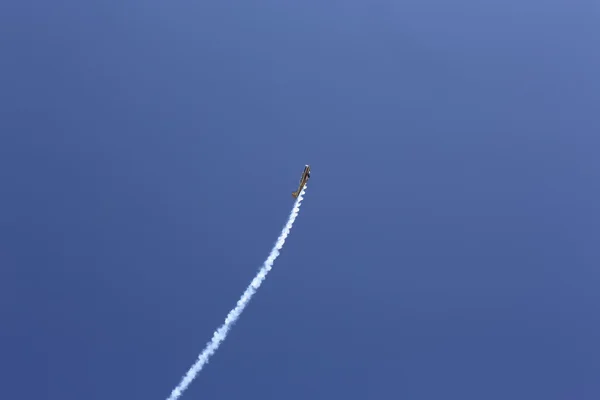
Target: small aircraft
[303, 180]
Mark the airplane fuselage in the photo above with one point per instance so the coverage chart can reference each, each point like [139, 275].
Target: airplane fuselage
[303, 179]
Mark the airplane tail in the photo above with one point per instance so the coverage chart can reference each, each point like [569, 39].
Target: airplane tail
[295, 194]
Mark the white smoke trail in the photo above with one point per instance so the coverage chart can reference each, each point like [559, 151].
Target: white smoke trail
[221, 333]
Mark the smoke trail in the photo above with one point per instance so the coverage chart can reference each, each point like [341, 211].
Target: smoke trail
[221, 333]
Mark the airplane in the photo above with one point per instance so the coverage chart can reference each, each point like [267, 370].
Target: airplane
[303, 180]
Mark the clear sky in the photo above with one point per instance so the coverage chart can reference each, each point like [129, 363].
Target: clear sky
[448, 243]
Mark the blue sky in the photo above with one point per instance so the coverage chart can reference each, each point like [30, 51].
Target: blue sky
[447, 247]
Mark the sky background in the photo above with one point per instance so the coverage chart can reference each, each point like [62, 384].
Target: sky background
[447, 247]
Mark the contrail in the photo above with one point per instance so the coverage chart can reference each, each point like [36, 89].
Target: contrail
[221, 333]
